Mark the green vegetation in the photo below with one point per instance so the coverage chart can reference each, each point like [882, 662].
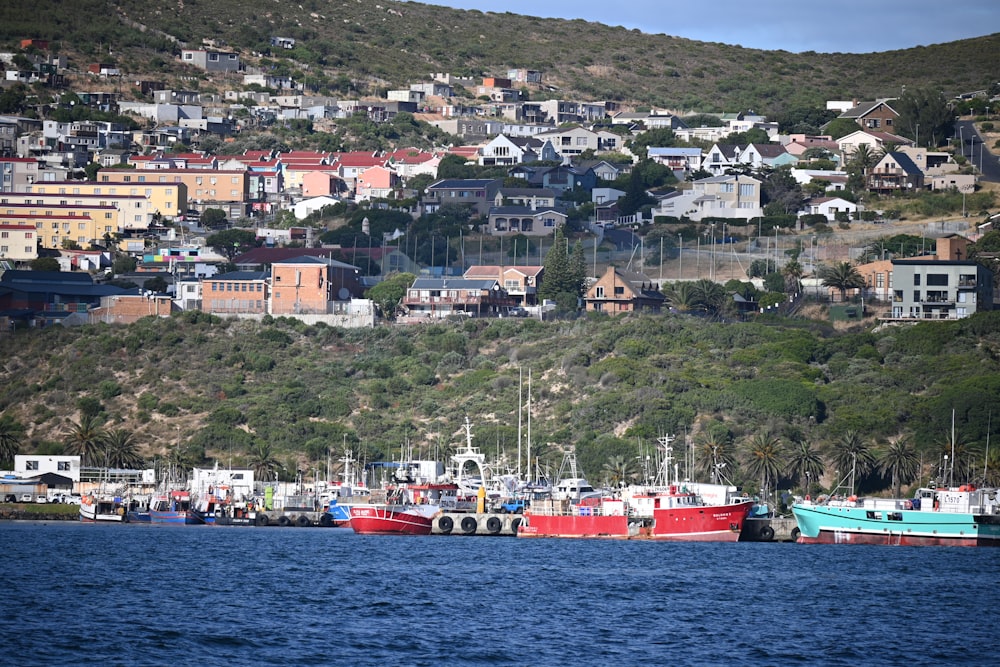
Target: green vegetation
[778, 399]
[357, 49]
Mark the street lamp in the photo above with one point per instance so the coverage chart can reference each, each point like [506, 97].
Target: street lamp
[680, 257]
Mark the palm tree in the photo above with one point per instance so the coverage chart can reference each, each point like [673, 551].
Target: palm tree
[265, 465]
[712, 454]
[122, 450]
[682, 296]
[841, 276]
[619, 470]
[87, 439]
[793, 273]
[863, 159]
[853, 454]
[900, 461]
[764, 459]
[11, 433]
[805, 461]
[709, 295]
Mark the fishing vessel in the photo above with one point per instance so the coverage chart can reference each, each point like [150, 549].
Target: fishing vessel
[409, 509]
[681, 512]
[956, 516]
[96, 508]
[174, 507]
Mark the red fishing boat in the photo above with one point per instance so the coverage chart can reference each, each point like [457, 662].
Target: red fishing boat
[409, 510]
[687, 512]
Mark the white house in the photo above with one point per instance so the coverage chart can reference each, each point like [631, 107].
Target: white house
[305, 207]
[33, 465]
[829, 207]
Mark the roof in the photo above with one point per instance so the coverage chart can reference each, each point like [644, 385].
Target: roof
[770, 150]
[525, 210]
[905, 163]
[865, 108]
[242, 275]
[454, 283]
[462, 183]
[674, 150]
[311, 259]
[265, 256]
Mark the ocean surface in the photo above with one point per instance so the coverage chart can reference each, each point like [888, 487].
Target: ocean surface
[79, 594]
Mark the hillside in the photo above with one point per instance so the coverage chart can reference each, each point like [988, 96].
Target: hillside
[349, 46]
[197, 389]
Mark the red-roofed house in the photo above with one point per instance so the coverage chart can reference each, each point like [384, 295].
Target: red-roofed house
[376, 183]
[520, 282]
[318, 182]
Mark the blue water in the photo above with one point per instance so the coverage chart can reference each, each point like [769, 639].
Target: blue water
[76, 594]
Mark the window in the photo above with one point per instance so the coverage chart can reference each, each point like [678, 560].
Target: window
[726, 187]
[880, 280]
[599, 292]
[746, 189]
[916, 295]
[937, 279]
[62, 465]
[916, 279]
[31, 465]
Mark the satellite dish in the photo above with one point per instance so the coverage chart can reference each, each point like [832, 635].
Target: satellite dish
[343, 294]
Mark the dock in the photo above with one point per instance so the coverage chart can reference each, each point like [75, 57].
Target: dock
[476, 523]
[770, 529]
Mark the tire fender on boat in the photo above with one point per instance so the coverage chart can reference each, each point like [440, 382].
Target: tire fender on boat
[284, 521]
[493, 525]
[795, 534]
[326, 520]
[262, 519]
[515, 525]
[446, 524]
[767, 533]
[303, 521]
[469, 525]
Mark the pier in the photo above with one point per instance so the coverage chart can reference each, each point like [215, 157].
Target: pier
[770, 529]
[476, 523]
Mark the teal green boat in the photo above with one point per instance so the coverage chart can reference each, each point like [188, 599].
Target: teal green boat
[963, 516]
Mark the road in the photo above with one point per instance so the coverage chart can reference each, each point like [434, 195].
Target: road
[975, 150]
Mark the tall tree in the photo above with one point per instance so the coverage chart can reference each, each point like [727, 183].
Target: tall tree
[233, 242]
[86, 439]
[11, 433]
[841, 276]
[578, 269]
[123, 450]
[263, 462]
[853, 456]
[900, 461]
[764, 459]
[558, 278]
[924, 116]
[805, 462]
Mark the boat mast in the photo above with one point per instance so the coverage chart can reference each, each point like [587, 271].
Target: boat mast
[951, 470]
[529, 424]
[668, 459]
[520, 377]
[986, 459]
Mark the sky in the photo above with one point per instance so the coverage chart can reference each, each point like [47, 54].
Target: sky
[847, 26]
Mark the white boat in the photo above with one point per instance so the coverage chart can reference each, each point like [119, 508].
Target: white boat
[102, 508]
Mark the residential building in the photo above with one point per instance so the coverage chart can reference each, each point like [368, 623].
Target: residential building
[877, 115]
[721, 157]
[475, 193]
[683, 160]
[18, 242]
[830, 207]
[570, 142]
[211, 60]
[129, 308]
[521, 283]
[874, 140]
[895, 172]
[929, 289]
[168, 199]
[440, 297]
[236, 292]
[312, 285]
[228, 190]
[526, 220]
[621, 291]
[376, 183]
[758, 156]
[17, 173]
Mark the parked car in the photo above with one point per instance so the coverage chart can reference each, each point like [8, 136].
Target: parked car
[41, 499]
[26, 497]
[10, 498]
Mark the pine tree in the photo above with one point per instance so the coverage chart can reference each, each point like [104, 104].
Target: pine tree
[558, 278]
[578, 268]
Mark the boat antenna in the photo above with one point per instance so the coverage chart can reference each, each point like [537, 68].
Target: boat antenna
[986, 459]
[951, 470]
[529, 425]
[520, 378]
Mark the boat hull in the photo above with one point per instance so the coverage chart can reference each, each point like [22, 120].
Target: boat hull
[94, 510]
[820, 524]
[390, 520]
[701, 523]
[178, 518]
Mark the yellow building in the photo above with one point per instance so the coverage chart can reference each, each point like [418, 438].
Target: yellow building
[167, 199]
[203, 185]
[18, 241]
[54, 224]
[135, 212]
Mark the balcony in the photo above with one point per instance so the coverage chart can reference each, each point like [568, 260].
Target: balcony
[967, 283]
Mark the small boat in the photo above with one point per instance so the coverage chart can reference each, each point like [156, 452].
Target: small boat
[958, 516]
[102, 508]
[137, 510]
[410, 510]
[174, 507]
